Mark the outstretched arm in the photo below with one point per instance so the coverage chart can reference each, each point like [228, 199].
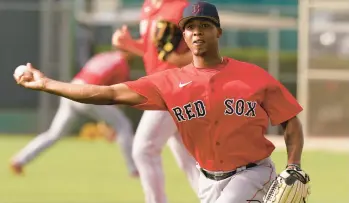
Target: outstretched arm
[83, 93]
[94, 94]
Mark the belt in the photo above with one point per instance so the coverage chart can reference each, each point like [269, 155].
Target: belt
[223, 175]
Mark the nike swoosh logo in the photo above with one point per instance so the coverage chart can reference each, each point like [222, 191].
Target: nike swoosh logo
[184, 84]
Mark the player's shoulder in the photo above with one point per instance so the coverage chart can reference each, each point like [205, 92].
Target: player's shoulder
[165, 75]
[247, 67]
[252, 72]
[243, 65]
[164, 80]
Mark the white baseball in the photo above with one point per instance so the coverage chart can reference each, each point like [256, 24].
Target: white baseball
[21, 70]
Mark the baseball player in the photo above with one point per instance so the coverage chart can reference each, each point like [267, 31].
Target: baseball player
[221, 107]
[103, 69]
[162, 47]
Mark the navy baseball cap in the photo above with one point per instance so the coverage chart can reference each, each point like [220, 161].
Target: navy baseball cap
[201, 9]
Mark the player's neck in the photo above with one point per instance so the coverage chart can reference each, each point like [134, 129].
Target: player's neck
[207, 61]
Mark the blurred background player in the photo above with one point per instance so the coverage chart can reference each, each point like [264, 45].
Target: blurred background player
[102, 69]
[162, 48]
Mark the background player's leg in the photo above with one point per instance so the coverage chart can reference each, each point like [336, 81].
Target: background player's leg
[154, 129]
[115, 118]
[184, 160]
[60, 125]
[251, 184]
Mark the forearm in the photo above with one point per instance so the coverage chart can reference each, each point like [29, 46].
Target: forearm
[83, 93]
[294, 140]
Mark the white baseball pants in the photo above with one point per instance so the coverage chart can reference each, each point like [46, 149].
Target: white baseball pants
[67, 113]
[154, 130]
[247, 186]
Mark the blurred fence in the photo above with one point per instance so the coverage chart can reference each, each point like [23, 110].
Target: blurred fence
[60, 35]
[38, 32]
[323, 76]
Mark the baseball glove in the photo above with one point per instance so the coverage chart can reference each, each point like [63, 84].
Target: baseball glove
[166, 38]
[290, 186]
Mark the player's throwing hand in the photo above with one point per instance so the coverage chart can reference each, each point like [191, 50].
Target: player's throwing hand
[33, 79]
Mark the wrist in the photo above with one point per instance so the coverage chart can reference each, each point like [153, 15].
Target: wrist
[294, 160]
[293, 165]
[46, 84]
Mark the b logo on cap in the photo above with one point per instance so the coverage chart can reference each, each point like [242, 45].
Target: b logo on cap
[196, 8]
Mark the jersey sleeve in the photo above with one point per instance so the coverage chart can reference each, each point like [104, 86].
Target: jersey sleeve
[279, 103]
[147, 89]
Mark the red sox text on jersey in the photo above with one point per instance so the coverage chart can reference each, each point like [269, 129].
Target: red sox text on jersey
[238, 107]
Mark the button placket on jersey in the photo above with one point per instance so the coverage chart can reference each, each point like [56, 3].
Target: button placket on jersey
[211, 97]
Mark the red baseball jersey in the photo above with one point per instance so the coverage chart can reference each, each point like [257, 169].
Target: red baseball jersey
[106, 68]
[170, 10]
[222, 113]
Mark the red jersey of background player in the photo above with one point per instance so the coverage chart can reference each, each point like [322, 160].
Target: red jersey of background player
[106, 68]
[222, 113]
[170, 10]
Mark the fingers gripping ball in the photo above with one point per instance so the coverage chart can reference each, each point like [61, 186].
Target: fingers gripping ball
[290, 186]
[24, 71]
[29, 77]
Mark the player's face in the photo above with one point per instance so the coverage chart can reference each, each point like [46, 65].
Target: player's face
[201, 36]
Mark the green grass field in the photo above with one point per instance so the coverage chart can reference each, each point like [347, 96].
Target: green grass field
[75, 171]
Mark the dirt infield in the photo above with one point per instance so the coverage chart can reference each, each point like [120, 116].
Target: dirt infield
[332, 144]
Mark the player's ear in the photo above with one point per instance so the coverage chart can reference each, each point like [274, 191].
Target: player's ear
[184, 36]
[219, 32]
